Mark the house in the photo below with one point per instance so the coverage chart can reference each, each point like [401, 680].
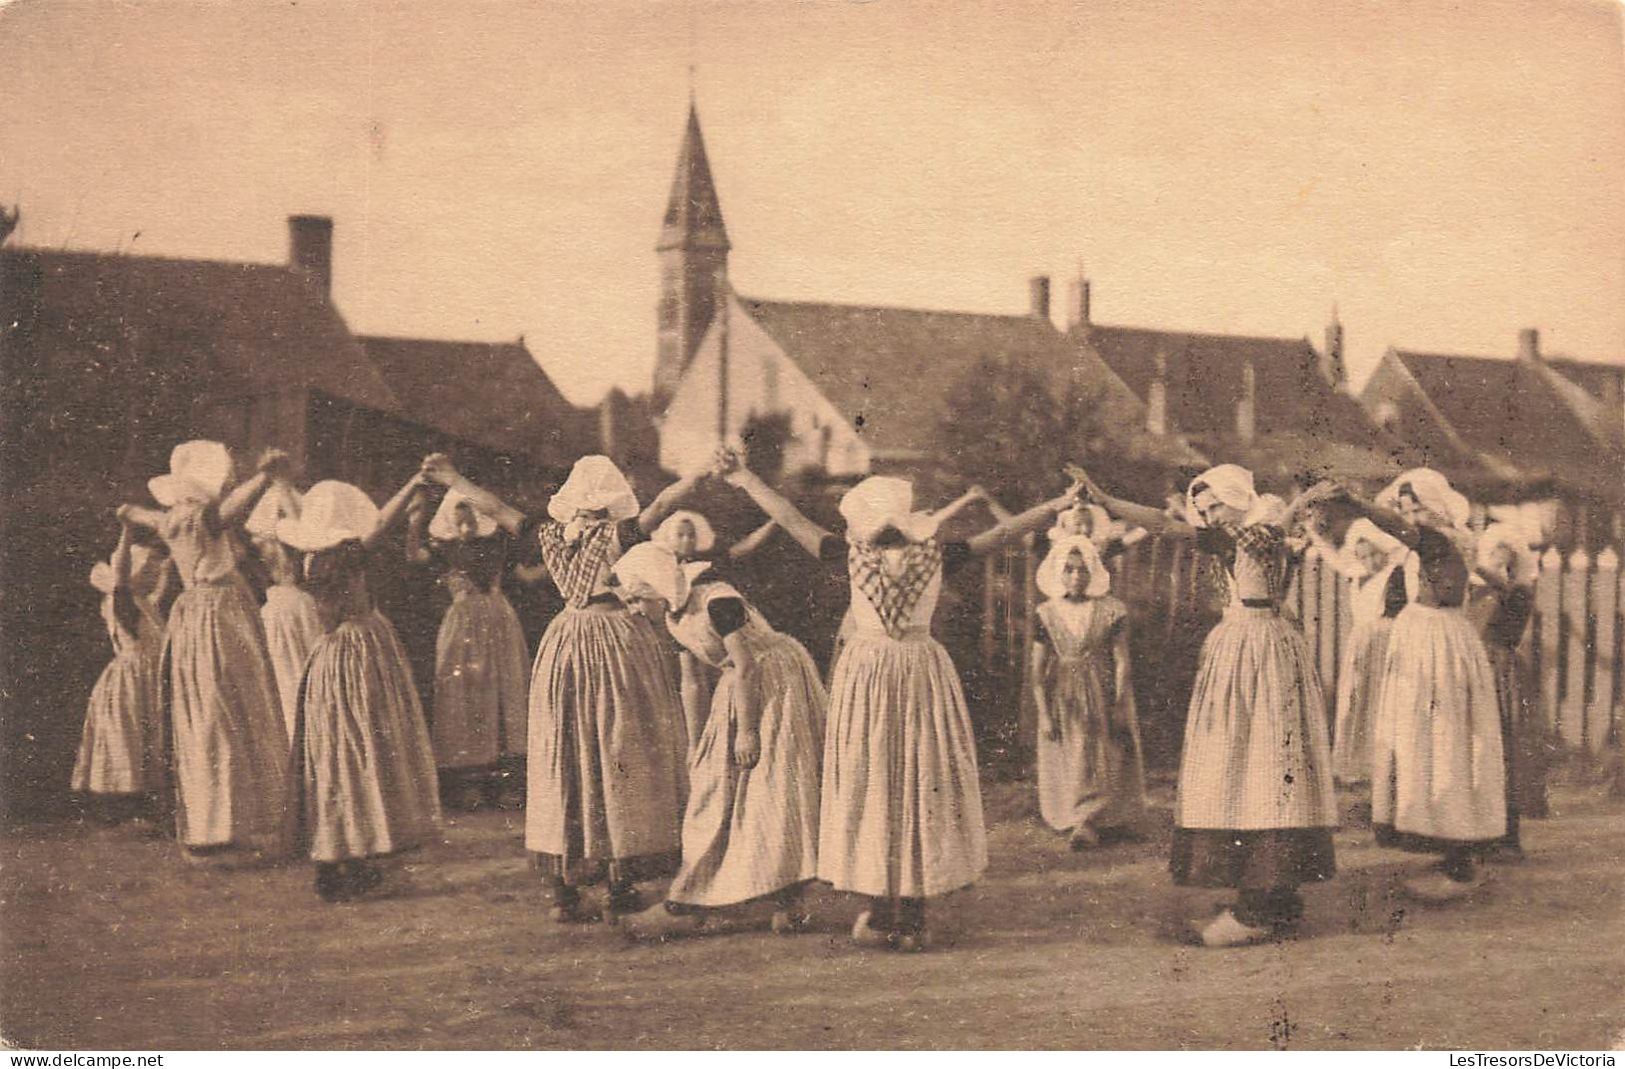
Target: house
[1522, 417]
[861, 388]
[1275, 405]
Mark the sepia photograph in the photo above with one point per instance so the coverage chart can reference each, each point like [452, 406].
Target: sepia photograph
[864, 525]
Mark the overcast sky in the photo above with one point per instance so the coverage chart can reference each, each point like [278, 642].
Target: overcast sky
[1446, 173]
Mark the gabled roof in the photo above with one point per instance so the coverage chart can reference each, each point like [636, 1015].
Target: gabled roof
[1523, 412]
[258, 328]
[1605, 382]
[890, 370]
[693, 216]
[493, 394]
[1204, 379]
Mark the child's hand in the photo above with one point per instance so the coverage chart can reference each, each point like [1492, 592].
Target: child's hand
[747, 748]
[437, 467]
[125, 514]
[273, 462]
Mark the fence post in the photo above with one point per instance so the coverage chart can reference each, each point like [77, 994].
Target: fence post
[1603, 709]
[1548, 633]
[1576, 577]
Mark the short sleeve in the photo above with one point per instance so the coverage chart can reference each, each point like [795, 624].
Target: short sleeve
[1393, 593]
[726, 613]
[955, 555]
[833, 550]
[1214, 540]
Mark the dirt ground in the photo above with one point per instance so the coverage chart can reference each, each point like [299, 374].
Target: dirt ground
[110, 942]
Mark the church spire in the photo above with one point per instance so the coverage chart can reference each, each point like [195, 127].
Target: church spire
[693, 217]
[693, 251]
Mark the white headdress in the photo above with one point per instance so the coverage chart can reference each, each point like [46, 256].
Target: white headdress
[649, 569]
[278, 502]
[881, 501]
[331, 513]
[704, 536]
[1232, 484]
[595, 483]
[1051, 577]
[1435, 494]
[198, 471]
[444, 524]
[1525, 560]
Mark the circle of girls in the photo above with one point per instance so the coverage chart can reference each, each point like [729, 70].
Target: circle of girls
[731, 771]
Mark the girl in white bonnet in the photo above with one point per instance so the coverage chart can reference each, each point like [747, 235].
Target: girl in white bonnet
[1438, 778]
[606, 764]
[229, 738]
[1256, 806]
[120, 748]
[1091, 775]
[1372, 558]
[901, 815]
[750, 832]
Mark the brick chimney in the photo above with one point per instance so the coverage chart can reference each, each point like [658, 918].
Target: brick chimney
[1247, 407]
[310, 250]
[1332, 368]
[1529, 345]
[1077, 312]
[1039, 289]
[1156, 398]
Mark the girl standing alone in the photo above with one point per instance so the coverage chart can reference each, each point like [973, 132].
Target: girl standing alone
[1091, 777]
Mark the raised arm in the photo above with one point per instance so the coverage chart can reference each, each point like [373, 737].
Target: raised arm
[1000, 513]
[807, 534]
[236, 506]
[417, 530]
[948, 511]
[1389, 521]
[1153, 520]
[1018, 525]
[665, 502]
[438, 468]
[121, 558]
[753, 541]
[141, 516]
[393, 510]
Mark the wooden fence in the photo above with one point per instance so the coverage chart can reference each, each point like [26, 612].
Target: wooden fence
[1575, 638]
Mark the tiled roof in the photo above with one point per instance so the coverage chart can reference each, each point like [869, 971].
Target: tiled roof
[491, 393]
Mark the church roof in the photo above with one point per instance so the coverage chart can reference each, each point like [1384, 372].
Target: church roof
[693, 216]
[890, 370]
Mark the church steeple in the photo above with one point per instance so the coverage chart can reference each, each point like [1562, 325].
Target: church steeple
[693, 249]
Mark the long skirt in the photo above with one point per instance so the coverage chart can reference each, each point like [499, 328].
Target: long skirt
[1358, 684]
[1526, 742]
[292, 629]
[1438, 777]
[901, 814]
[480, 702]
[121, 744]
[751, 832]
[607, 766]
[1256, 804]
[1090, 776]
[366, 775]
[230, 743]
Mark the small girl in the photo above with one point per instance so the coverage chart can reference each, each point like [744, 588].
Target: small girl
[120, 749]
[1372, 557]
[481, 660]
[365, 775]
[1501, 604]
[751, 828]
[292, 625]
[230, 741]
[1091, 775]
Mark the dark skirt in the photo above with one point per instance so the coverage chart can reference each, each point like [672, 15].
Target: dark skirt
[1272, 858]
